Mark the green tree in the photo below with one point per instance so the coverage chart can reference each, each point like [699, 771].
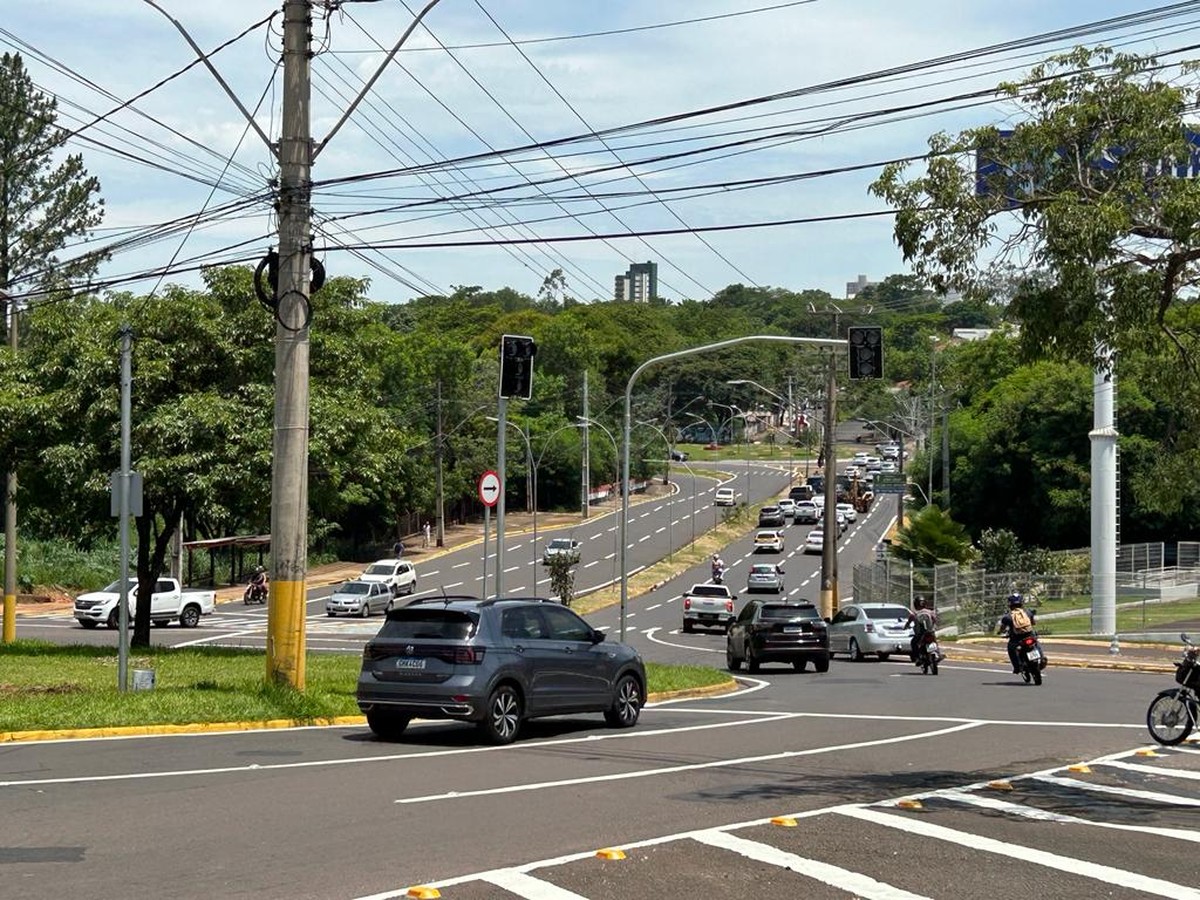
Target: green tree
[42, 205]
[930, 537]
[562, 578]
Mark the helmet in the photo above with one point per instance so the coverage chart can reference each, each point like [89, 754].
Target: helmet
[1015, 600]
[260, 570]
[921, 603]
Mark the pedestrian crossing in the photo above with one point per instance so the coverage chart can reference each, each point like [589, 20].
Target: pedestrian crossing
[1122, 825]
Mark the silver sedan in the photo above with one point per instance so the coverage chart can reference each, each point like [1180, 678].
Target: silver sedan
[359, 598]
[862, 628]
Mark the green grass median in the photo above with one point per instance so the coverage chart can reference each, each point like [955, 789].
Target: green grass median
[50, 687]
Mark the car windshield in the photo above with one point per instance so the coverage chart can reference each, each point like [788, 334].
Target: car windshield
[762, 569]
[790, 611]
[447, 624]
[116, 586]
[709, 590]
[354, 587]
[887, 612]
[378, 569]
[560, 544]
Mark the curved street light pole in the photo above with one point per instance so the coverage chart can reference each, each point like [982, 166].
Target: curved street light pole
[618, 553]
[533, 489]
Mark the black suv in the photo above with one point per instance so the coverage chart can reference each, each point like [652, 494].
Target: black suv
[496, 663]
[770, 516]
[773, 631]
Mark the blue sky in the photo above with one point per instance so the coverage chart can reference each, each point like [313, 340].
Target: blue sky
[438, 107]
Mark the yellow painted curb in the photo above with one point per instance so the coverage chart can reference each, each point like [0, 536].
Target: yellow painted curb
[709, 690]
[189, 728]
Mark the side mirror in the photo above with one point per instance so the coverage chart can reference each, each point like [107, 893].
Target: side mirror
[828, 621]
[597, 636]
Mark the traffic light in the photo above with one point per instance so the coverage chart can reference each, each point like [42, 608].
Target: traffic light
[516, 366]
[866, 351]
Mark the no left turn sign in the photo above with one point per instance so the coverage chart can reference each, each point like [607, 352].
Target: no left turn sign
[489, 488]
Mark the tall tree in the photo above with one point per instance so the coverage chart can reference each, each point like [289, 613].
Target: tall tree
[42, 205]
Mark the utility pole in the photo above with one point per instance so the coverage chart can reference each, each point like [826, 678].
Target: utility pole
[123, 504]
[437, 455]
[289, 473]
[587, 455]
[945, 458]
[829, 572]
[10, 499]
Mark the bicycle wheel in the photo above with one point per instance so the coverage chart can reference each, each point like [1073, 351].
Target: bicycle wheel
[1170, 717]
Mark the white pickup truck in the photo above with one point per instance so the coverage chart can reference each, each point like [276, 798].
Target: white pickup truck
[710, 605]
[168, 602]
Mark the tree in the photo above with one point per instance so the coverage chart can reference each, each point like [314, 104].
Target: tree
[931, 537]
[562, 577]
[42, 205]
[1105, 237]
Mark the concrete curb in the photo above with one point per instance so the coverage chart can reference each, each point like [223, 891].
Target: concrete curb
[14, 737]
[1066, 662]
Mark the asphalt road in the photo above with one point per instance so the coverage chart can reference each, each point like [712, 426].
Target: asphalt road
[332, 812]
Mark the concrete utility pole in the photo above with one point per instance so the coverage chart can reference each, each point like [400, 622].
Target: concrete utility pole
[829, 535]
[587, 449]
[123, 504]
[289, 473]
[441, 497]
[10, 503]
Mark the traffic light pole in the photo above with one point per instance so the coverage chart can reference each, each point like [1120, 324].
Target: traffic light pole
[289, 474]
[501, 470]
[829, 571]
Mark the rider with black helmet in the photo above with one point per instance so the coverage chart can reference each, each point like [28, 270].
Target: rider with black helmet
[1016, 623]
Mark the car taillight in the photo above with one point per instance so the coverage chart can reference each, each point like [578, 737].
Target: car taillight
[728, 606]
[467, 656]
[687, 602]
[373, 653]
[869, 628]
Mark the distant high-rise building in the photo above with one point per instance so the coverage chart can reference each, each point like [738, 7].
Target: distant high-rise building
[638, 284]
[854, 287]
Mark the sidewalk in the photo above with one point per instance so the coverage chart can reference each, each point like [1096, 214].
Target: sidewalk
[1072, 654]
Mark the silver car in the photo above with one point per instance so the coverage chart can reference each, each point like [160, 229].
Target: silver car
[862, 628]
[764, 577]
[359, 598]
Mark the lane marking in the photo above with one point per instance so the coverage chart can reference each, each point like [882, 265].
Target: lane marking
[529, 887]
[1153, 796]
[681, 646]
[460, 565]
[1095, 871]
[691, 767]
[1153, 770]
[594, 562]
[1043, 815]
[843, 879]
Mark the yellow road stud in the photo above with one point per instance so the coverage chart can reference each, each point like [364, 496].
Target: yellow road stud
[1000, 785]
[785, 821]
[1147, 751]
[909, 804]
[1082, 768]
[420, 892]
[610, 853]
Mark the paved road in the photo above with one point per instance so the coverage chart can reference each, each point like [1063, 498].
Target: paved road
[332, 812]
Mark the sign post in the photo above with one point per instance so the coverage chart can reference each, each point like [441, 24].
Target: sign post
[489, 493]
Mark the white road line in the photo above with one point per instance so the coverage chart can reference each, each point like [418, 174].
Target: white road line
[460, 565]
[660, 529]
[511, 569]
[682, 646]
[646, 538]
[425, 574]
[1153, 796]
[1044, 815]
[655, 606]
[843, 879]
[1155, 770]
[1109, 874]
[692, 767]
[529, 887]
[597, 535]
[594, 562]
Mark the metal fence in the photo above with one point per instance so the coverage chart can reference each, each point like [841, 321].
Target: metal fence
[1187, 555]
[1139, 557]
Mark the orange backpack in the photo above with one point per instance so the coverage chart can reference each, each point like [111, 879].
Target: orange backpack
[1021, 622]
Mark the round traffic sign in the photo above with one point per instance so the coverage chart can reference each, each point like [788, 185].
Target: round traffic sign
[489, 488]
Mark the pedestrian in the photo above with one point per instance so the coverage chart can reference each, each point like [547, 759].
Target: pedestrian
[425, 538]
[397, 549]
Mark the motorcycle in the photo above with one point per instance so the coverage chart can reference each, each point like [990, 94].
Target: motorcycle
[718, 575]
[256, 592]
[1174, 713]
[928, 653]
[1030, 658]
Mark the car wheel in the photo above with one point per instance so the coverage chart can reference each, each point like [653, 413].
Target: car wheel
[412, 587]
[502, 716]
[751, 662]
[328, 613]
[687, 627]
[391, 605]
[114, 621]
[883, 657]
[366, 609]
[821, 665]
[627, 703]
[855, 653]
[386, 726]
[88, 623]
[732, 663]
[190, 617]
[161, 623]
[800, 665]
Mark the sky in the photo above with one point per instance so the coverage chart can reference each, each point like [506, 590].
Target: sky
[484, 77]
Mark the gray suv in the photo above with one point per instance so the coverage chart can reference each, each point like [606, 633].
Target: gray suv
[496, 663]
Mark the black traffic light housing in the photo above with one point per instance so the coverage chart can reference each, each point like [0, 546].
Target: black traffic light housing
[866, 351]
[516, 366]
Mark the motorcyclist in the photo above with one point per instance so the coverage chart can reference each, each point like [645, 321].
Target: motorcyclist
[259, 582]
[1016, 623]
[718, 568]
[922, 618]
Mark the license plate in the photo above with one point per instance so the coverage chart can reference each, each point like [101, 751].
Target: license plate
[792, 629]
[1034, 654]
[410, 663]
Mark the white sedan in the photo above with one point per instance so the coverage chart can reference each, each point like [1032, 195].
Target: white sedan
[847, 509]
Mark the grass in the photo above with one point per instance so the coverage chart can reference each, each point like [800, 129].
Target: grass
[1129, 619]
[49, 687]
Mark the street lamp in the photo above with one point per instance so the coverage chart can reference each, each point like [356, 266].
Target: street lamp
[787, 405]
[532, 490]
[670, 540]
[586, 420]
[735, 413]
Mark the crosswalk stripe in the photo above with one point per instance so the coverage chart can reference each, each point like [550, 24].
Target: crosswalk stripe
[1045, 815]
[852, 882]
[1155, 770]
[1096, 871]
[529, 887]
[1154, 796]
